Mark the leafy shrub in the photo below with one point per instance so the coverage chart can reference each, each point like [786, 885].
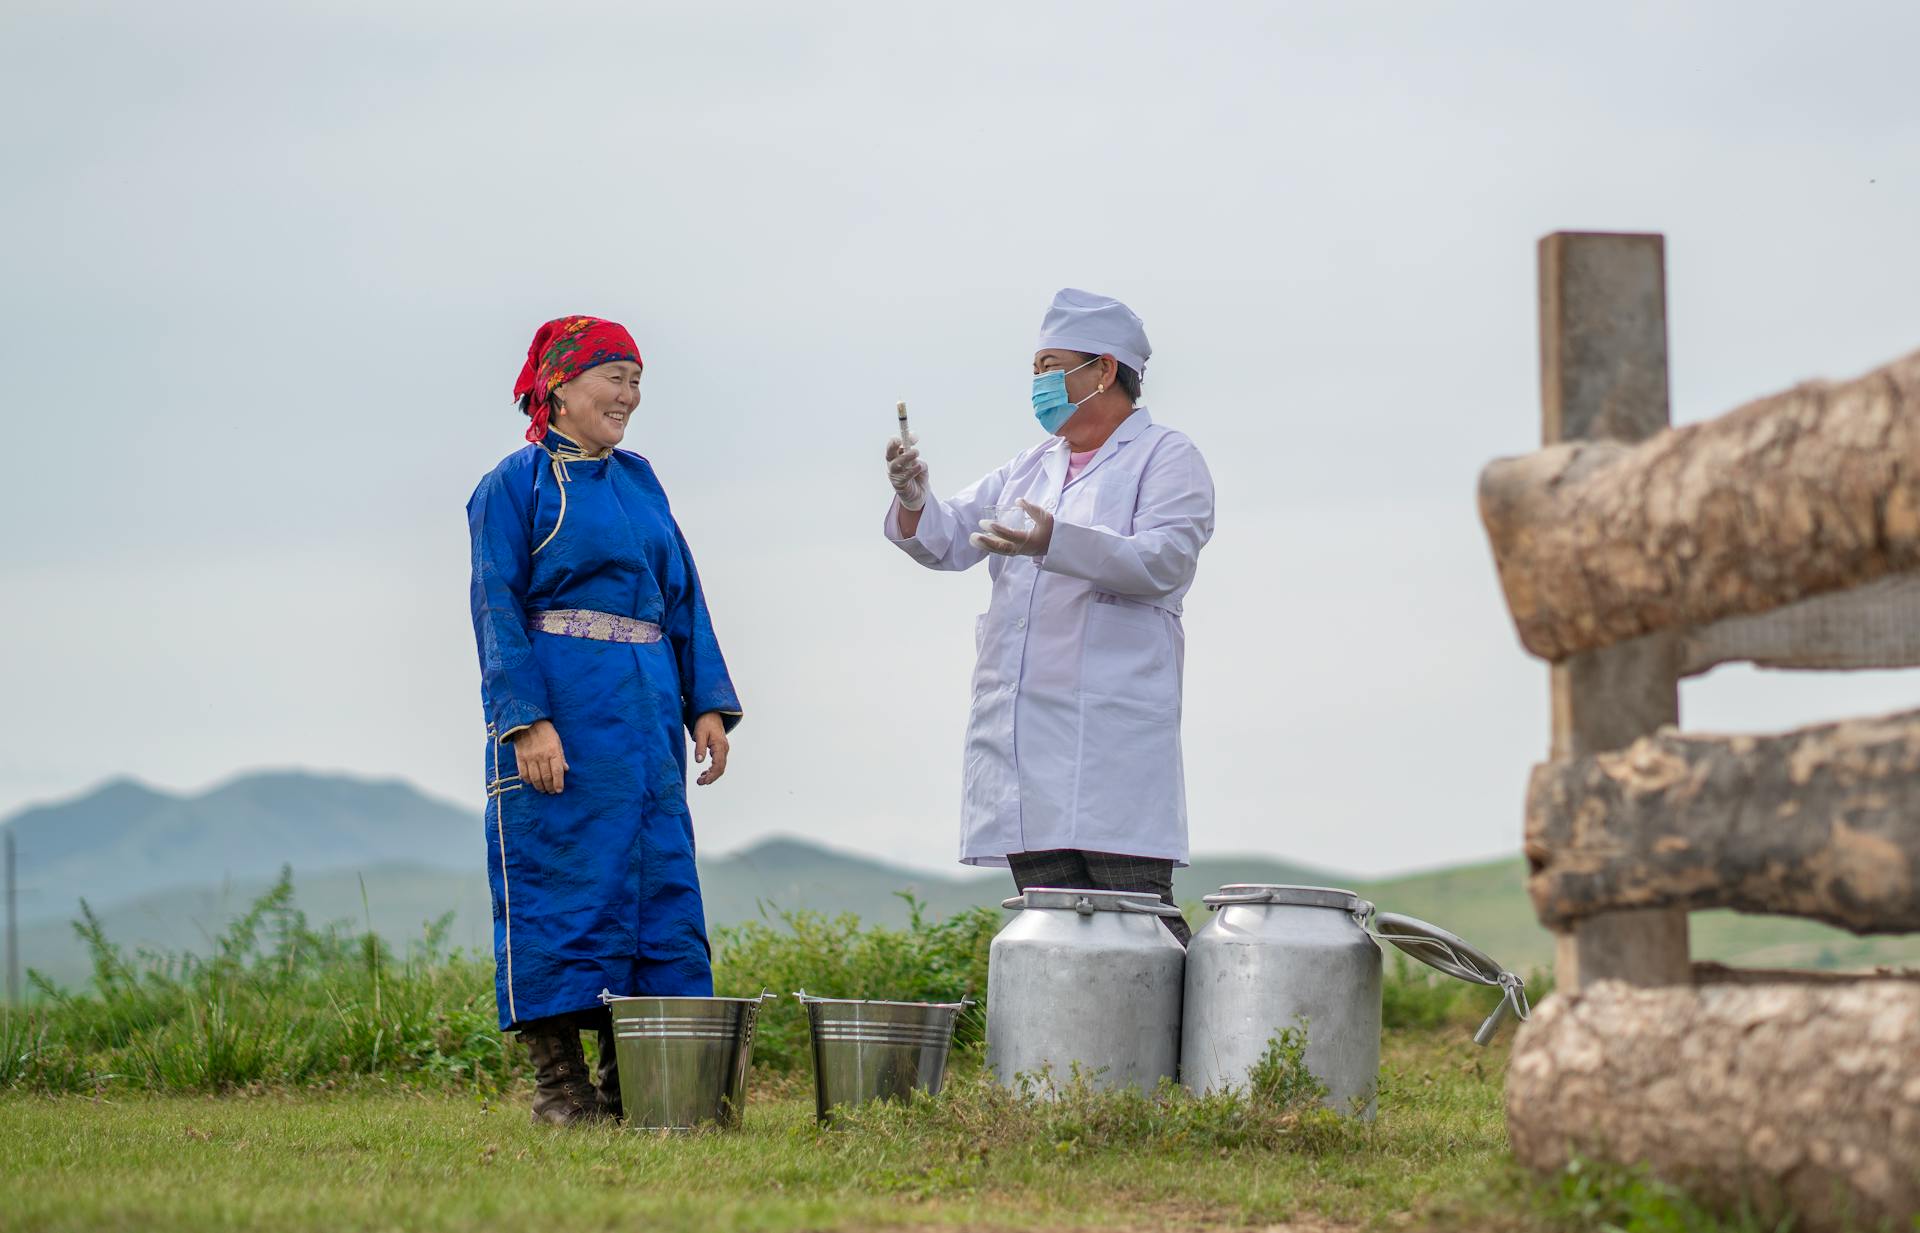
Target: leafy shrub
[835, 957]
[275, 1002]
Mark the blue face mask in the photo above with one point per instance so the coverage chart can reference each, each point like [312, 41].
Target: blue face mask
[1050, 403]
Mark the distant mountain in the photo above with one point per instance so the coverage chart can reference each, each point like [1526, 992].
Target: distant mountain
[125, 841]
[396, 900]
[786, 874]
[166, 873]
[1209, 873]
[124, 844]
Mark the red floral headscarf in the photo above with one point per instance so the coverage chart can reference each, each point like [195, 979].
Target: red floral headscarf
[563, 349]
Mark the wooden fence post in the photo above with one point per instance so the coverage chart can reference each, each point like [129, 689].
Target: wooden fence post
[1603, 375]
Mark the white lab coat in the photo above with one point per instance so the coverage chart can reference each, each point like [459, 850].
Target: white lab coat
[1074, 736]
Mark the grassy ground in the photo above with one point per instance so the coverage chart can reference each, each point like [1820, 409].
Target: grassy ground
[376, 1155]
[297, 1078]
[386, 1157]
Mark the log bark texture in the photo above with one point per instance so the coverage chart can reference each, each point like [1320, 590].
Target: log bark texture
[1822, 823]
[1801, 1097]
[1813, 490]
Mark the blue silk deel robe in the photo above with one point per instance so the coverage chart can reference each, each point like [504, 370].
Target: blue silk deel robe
[594, 887]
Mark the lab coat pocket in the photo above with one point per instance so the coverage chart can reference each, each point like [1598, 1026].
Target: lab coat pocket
[1131, 795]
[1128, 655]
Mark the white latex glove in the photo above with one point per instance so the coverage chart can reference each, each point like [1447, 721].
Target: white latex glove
[1007, 542]
[906, 472]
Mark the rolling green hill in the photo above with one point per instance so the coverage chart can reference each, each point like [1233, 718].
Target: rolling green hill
[124, 841]
[371, 873]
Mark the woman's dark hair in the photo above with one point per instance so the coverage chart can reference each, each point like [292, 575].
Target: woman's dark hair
[1127, 379]
[526, 404]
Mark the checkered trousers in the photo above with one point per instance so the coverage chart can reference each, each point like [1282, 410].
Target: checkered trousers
[1072, 869]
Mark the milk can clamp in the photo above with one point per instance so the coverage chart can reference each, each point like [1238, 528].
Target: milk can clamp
[1447, 953]
[1083, 904]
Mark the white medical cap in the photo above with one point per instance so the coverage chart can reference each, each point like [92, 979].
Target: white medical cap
[1098, 324]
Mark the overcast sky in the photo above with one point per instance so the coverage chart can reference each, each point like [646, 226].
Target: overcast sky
[269, 271]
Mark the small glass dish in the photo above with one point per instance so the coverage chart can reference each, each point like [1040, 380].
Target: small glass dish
[1013, 517]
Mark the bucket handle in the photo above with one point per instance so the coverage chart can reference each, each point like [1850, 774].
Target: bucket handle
[961, 1005]
[608, 997]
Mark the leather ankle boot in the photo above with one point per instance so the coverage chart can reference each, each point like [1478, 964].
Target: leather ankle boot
[563, 1093]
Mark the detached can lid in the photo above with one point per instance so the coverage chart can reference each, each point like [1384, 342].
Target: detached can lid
[1446, 952]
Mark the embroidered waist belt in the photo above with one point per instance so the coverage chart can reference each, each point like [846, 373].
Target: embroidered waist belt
[599, 626]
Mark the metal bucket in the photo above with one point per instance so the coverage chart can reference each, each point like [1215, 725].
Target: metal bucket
[866, 1050]
[683, 1061]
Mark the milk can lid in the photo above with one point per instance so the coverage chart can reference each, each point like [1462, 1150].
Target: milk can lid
[1087, 902]
[1439, 949]
[1293, 896]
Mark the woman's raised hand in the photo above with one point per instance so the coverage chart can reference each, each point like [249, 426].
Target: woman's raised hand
[542, 762]
[710, 737]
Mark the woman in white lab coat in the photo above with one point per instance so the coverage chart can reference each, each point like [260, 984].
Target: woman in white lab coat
[1073, 771]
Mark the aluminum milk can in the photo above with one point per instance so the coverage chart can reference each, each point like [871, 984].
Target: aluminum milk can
[1085, 978]
[1275, 957]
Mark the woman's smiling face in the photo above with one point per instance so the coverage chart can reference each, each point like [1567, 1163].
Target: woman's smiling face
[593, 408]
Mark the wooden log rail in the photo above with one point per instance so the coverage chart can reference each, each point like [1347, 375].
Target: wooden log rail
[1871, 626]
[1822, 823]
[1785, 533]
[1798, 1096]
[1807, 492]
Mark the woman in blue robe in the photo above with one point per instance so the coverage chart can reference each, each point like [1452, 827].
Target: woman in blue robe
[597, 660]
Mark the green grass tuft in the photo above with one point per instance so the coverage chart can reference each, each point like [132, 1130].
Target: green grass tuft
[1613, 1199]
[275, 1002]
[836, 957]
